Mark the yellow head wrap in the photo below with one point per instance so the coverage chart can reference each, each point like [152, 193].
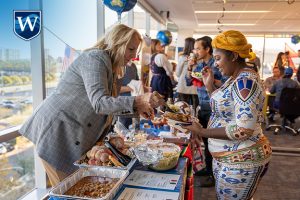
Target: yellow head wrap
[233, 41]
[252, 56]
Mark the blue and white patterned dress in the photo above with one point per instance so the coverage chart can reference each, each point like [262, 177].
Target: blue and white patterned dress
[240, 162]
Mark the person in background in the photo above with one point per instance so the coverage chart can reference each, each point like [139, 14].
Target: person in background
[79, 112]
[186, 93]
[281, 62]
[269, 82]
[285, 82]
[298, 70]
[240, 150]
[203, 51]
[162, 71]
[130, 73]
[287, 58]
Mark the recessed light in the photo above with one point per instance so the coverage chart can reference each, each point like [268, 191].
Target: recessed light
[230, 11]
[227, 24]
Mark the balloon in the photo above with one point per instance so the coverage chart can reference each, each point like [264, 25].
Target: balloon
[120, 5]
[129, 5]
[165, 37]
[295, 39]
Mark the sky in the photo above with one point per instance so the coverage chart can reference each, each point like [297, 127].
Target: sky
[73, 21]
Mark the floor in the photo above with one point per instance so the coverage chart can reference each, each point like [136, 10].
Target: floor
[282, 181]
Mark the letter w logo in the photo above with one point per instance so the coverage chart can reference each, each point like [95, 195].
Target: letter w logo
[27, 24]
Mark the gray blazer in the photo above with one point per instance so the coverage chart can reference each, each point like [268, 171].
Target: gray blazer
[70, 121]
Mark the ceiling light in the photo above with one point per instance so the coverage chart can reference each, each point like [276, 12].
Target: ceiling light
[231, 11]
[237, 24]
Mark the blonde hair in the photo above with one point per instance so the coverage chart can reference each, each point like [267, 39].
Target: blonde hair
[115, 42]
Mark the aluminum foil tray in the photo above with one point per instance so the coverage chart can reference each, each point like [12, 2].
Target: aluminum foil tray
[57, 193]
[82, 164]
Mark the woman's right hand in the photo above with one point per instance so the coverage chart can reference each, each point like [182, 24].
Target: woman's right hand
[145, 103]
[208, 76]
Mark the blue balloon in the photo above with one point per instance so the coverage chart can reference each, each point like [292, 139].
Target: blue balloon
[295, 39]
[165, 37]
[120, 5]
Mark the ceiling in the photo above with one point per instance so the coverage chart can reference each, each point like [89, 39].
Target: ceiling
[277, 16]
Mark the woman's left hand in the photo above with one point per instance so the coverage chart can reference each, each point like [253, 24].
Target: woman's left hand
[197, 132]
[196, 137]
[196, 129]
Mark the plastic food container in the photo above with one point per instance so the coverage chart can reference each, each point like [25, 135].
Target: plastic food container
[169, 159]
[57, 193]
[158, 156]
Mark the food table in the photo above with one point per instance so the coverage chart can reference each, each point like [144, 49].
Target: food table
[140, 181]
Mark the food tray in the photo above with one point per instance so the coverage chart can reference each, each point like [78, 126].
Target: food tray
[82, 164]
[57, 193]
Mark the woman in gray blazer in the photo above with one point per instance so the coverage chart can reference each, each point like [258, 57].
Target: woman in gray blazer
[70, 121]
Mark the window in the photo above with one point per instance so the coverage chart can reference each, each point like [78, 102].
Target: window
[154, 27]
[111, 18]
[273, 45]
[15, 69]
[66, 35]
[139, 19]
[17, 168]
[267, 47]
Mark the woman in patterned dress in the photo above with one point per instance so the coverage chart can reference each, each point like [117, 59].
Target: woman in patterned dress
[240, 150]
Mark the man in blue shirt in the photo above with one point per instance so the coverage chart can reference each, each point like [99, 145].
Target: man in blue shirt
[285, 82]
[203, 51]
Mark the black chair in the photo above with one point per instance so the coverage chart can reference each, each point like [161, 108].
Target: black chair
[289, 109]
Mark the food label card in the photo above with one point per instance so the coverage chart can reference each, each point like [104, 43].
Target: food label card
[152, 180]
[142, 194]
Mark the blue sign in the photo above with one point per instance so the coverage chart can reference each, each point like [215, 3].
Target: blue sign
[27, 24]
